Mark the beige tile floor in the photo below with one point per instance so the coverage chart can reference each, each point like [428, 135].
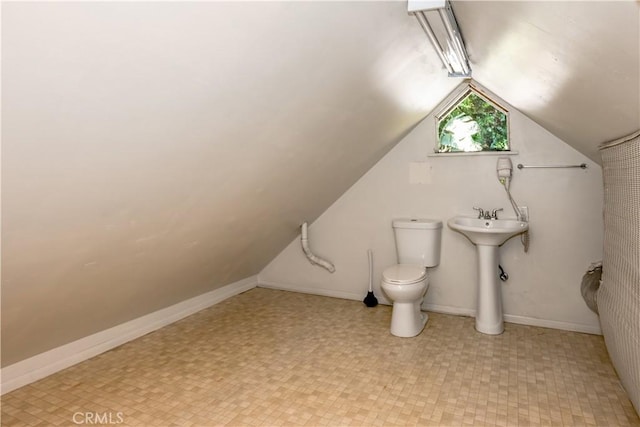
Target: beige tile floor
[279, 358]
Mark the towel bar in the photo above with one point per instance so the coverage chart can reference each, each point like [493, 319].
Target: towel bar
[581, 166]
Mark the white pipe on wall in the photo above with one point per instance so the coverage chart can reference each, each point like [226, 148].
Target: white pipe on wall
[312, 258]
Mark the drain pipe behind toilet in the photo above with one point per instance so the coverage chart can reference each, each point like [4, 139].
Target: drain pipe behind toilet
[315, 260]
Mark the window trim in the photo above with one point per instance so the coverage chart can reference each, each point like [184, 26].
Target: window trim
[451, 102]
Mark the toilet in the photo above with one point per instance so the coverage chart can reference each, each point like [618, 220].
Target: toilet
[406, 283]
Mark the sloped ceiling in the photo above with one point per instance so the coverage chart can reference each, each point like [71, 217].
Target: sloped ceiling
[573, 67]
[155, 151]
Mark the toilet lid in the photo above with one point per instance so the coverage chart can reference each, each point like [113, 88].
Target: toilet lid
[403, 274]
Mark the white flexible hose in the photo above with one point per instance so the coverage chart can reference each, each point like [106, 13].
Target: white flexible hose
[506, 184]
[524, 238]
[315, 260]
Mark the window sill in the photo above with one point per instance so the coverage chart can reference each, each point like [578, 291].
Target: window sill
[475, 153]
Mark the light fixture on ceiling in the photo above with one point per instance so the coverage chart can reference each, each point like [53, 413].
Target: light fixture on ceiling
[439, 23]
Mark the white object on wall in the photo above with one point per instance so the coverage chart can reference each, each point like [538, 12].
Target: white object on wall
[419, 173]
[504, 167]
[313, 259]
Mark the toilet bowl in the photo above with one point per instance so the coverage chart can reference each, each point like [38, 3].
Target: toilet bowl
[406, 285]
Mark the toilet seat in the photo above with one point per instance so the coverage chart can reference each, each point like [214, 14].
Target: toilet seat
[404, 274]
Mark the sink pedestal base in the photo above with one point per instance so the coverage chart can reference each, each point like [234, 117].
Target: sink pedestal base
[488, 235]
[489, 299]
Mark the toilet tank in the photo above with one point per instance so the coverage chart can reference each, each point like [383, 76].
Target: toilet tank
[418, 241]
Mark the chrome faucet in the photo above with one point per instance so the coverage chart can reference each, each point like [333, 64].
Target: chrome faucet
[487, 214]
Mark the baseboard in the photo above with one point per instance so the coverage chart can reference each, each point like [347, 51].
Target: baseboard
[312, 291]
[44, 364]
[444, 309]
[521, 320]
[554, 324]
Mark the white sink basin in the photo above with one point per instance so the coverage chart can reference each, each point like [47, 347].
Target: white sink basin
[488, 232]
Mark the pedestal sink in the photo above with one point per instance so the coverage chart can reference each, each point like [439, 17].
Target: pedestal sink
[488, 235]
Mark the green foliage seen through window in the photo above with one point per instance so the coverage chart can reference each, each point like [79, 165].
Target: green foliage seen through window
[473, 125]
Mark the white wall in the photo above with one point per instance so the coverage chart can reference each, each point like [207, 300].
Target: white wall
[155, 151]
[544, 287]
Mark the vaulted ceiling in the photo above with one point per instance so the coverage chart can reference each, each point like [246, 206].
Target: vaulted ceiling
[573, 67]
[152, 151]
